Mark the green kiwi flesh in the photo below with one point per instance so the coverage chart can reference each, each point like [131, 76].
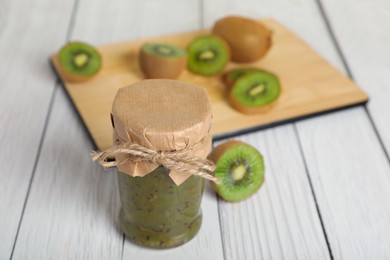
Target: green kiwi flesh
[207, 55]
[80, 59]
[256, 89]
[232, 75]
[163, 50]
[241, 171]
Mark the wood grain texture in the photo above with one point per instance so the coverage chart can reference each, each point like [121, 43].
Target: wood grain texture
[71, 213]
[340, 176]
[362, 32]
[356, 211]
[280, 221]
[320, 88]
[351, 178]
[132, 19]
[73, 205]
[27, 85]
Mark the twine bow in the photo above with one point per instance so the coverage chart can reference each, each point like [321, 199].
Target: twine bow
[177, 161]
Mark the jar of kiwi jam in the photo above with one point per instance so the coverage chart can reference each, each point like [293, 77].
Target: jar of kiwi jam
[161, 141]
[157, 213]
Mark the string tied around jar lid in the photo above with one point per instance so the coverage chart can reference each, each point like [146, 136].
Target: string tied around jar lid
[177, 160]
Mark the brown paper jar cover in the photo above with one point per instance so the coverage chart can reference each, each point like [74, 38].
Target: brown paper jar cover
[163, 115]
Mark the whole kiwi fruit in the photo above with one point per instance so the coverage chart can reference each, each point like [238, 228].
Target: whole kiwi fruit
[248, 39]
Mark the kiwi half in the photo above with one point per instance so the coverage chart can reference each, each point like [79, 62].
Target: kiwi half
[248, 39]
[255, 92]
[240, 167]
[161, 60]
[230, 77]
[79, 61]
[208, 55]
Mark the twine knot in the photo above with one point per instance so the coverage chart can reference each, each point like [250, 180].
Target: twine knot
[178, 161]
[158, 157]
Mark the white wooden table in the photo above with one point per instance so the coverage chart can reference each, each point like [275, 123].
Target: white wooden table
[327, 190]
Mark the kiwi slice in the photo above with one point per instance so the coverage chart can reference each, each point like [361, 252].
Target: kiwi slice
[208, 55]
[162, 61]
[232, 75]
[255, 92]
[240, 167]
[79, 61]
[248, 39]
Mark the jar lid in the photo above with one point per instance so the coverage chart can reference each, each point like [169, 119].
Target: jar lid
[163, 115]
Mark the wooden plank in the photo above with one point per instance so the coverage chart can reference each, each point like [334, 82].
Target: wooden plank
[73, 205]
[350, 176]
[362, 33]
[355, 195]
[72, 209]
[27, 85]
[280, 221]
[320, 88]
[132, 19]
[339, 148]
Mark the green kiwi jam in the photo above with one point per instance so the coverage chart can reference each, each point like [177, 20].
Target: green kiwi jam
[157, 213]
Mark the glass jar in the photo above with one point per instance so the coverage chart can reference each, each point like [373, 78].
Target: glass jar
[157, 213]
[161, 140]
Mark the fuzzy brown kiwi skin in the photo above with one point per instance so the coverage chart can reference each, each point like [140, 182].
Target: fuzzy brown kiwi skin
[225, 79]
[249, 110]
[218, 151]
[155, 67]
[69, 77]
[248, 39]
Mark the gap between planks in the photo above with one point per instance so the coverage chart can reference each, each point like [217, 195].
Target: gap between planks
[47, 118]
[349, 72]
[312, 190]
[46, 123]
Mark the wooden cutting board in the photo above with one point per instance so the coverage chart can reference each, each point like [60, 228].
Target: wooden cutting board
[310, 85]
